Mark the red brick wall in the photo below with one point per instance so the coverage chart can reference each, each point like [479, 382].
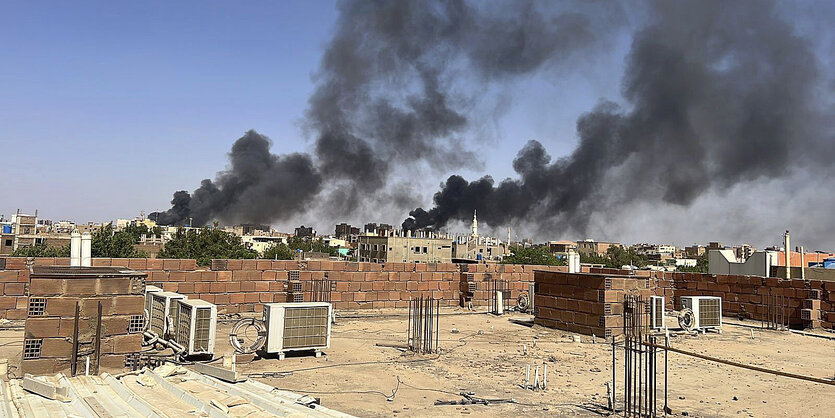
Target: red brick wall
[243, 285]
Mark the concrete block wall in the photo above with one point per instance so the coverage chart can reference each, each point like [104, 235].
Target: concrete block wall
[52, 326]
[585, 303]
[238, 286]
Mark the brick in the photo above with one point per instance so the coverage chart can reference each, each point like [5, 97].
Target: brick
[43, 367]
[46, 287]
[56, 347]
[8, 276]
[127, 305]
[112, 362]
[60, 306]
[122, 344]
[115, 286]
[115, 324]
[170, 264]
[42, 327]
[81, 287]
[14, 289]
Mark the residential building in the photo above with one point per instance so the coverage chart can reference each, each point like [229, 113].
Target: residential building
[589, 246]
[305, 232]
[423, 248]
[562, 247]
[694, 251]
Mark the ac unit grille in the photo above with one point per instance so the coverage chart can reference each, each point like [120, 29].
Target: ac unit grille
[305, 327]
[709, 313]
[157, 314]
[184, 326]
[202, 324]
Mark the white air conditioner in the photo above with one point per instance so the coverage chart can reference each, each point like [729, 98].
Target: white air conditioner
[656, 318]
[162, 313]
[196, 327]
[297, 326]
[707, 310]
[148, 290]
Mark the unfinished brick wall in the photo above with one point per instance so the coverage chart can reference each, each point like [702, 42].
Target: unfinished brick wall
[585, 303]
[242, 285]
[49, 331]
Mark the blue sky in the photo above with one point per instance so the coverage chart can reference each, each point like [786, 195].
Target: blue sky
[121, 103]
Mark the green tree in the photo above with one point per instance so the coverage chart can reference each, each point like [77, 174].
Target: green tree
[111, 244]
[538, 255]
[279, 251]
[308, 245]
[204, 245]
[42, 250]
[701, 265]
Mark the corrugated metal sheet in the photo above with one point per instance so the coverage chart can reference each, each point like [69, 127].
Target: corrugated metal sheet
[168, 391]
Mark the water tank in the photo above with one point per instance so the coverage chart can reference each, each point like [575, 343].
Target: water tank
[7, 229]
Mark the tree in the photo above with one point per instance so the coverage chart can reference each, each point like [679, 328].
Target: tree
[538, 255]
[42, 250]
[310, 245]
[204, 245]
[701, 265]
[279, 251]
[110, 244]
[616, 257]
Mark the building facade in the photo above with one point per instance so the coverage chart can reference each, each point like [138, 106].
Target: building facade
[404, 249]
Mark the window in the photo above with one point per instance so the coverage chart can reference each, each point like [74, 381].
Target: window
[8, 243]
[417, 250]
[376, 248]
[424, 250]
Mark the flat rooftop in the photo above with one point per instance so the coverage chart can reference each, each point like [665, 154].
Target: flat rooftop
[488, 355]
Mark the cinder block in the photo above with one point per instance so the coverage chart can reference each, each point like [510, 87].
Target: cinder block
[60, 306]
[809, 314]
[122, 344]
[45, 287]
[42, 327]
[812, 304]
[56, 347]
[127, 305]
[81, 287]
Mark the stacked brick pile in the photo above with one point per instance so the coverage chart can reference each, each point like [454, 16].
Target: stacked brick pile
[585, 303]
[53, 295]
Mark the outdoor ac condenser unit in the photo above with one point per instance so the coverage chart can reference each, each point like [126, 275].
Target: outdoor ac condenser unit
[148, 290]
[196, 326]
[162, 314]
[656, 317]
[297, 326]
[707, 310]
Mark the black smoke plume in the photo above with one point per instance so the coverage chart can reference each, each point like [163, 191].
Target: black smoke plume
[717, 93]
[385, 99]
[257, 187]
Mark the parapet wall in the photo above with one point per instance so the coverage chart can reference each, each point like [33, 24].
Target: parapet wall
[565, 301]
[238, 286]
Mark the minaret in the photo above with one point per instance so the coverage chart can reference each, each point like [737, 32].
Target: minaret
[475, 225]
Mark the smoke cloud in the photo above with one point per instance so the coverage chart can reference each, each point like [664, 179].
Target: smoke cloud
[717, 94]
[385, 100]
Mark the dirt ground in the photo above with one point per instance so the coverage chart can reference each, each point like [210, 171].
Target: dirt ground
[484, 354]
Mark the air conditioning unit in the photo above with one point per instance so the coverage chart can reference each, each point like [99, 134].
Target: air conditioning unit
[148, 290]
[162, 313]
[707, 311]
[196, 327]
[656, 312]
[297, 326]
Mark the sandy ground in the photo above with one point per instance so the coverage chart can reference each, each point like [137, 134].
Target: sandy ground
[486, 356]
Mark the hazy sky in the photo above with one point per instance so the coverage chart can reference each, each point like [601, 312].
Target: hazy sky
[106, 108]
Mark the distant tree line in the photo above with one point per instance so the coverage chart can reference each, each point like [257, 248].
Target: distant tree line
[535, 255]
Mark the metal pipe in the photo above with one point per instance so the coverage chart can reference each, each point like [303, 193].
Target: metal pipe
[74, 365]
[98, 340]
